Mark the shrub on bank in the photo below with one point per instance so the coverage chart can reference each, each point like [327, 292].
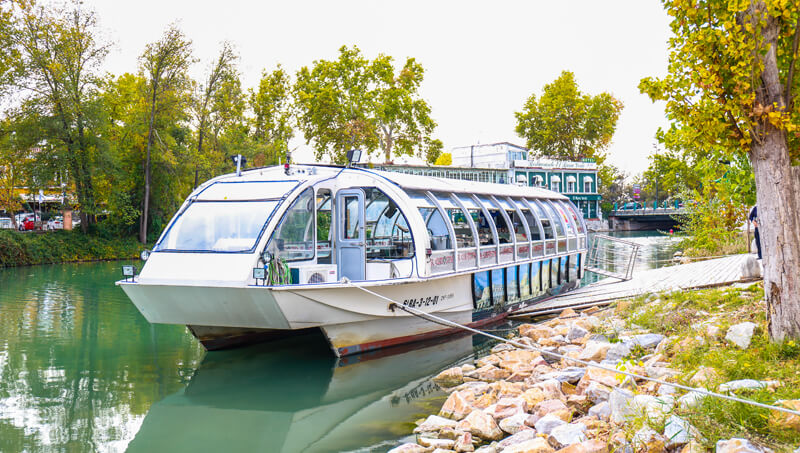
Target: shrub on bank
[21, 249]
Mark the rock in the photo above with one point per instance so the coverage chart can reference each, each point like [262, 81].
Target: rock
[450, 377]
[665, 389]
[546, 424]
[535, 332]
[653, 407]
[618, 351]
[537, 445]
[578, 403]
[482, 425]
[463, 442]
[567, 313]
[409, 448]
[751, 268]
[501, 347]
[601, 411]
[519, 355]
[647, 440]
[551, 389]
[533, 396]
[550, 358]
[435, 443]
[619, 443]
[619, 402]
[597, 392]
[565, 435]
[693, 447]
[648, 340]
[506, 407]
[746, 384]
[576, 332]
[587, 446]
[515, 423]
[690, 400]
[571, 375]
[704, 375]
[741, 334]
[467, 367]
[489, 373]
[484, 401]
[553, 341]
[486, 449]
[594, 350]
[548, 406]
[713, 331]
[786, 420]
[506, 389]
[458, 405]
[739, 446]
[491, 359]
[434, 423]
[601, 376]
[677, 432]
[449, 433]
[518, 438]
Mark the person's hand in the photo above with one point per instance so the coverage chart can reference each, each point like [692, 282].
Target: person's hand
[755, 223]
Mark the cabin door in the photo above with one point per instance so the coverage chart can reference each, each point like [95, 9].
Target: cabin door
[350, 234]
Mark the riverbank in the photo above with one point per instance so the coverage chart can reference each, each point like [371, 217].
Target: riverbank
[517, 400]
[24, 249]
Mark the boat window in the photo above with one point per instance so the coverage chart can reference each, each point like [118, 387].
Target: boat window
[293, 240]
[458, 218]
[533, 225]
[388, 235]
[324, 222]
[437, 229]
[503, 231]
[485, 236]
[518, 227]
[567, 220]
[218, 226]
[546, 225]
[552, 214]
[246, 190]
[350, 206]
[573, 211]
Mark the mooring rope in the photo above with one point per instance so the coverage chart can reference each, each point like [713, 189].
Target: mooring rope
[446, 322]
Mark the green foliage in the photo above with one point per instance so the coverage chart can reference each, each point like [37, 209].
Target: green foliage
[355, 102]
[272, 121]
[565, 123]
[22, 249]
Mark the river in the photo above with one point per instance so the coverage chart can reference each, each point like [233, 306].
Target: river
[82, 370]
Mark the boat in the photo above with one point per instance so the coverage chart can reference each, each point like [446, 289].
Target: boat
[275, 251]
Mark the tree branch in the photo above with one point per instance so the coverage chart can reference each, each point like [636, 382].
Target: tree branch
[788, 96]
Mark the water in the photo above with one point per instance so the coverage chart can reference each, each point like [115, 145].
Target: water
[656, 250]
[82, 370]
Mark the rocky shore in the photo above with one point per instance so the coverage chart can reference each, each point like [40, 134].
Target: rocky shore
[518, 400]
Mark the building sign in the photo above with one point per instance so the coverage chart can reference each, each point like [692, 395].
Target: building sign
[583, 197]
[637, 190]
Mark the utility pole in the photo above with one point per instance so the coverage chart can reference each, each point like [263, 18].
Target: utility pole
[658, 173]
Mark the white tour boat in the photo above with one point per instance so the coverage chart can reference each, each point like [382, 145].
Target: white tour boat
[273, 251]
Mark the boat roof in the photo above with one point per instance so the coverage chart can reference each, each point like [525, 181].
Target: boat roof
[315, 173]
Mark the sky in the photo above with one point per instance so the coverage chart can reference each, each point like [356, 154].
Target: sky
[482, 59]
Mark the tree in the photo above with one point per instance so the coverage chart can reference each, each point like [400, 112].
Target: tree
[565, 123]
[732, 85]
[59, 70]
[210, 103]
[272, 122]
[357, 103]
[165, 64]
[444, 159]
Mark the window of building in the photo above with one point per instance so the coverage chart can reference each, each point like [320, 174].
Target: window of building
[293, 240]
[570, 186]
[587, 185]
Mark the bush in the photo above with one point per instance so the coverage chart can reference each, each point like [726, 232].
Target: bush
[22, 249]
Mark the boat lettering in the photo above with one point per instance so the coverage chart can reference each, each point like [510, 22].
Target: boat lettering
[488, 254]
[427, 301]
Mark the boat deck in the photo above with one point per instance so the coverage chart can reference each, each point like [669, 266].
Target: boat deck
[703, 274]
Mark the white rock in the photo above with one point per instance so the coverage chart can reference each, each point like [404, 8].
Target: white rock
[648, 340]
[571, 375]
[547, 423]
[741, 334]
[518, 438]
[566, 435]
[595, 350]
[619, 401]
[435, 423]
[739, 446]
[576, 332]
[644, 438]
[408, 448]
[690, 400]
[618, 351]
[745, 384]
[435, 443]
[601, 411]
[666, 389]
[597, 392]
[677, 431]
[514, 424]
[653, 407]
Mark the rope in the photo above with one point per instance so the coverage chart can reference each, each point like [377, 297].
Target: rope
[445, 322]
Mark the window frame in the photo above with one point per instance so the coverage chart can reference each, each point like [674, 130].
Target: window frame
[314, 222]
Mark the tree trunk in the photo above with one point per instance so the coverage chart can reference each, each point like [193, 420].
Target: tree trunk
[778, 192]
[778, 195]
[146, 201]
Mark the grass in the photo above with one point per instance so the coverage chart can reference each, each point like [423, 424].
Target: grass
[22, 249]
[685, 317]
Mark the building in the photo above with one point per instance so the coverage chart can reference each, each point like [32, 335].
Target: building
[506, 163]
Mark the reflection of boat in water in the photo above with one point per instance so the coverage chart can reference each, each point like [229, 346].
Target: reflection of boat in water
[281, 397]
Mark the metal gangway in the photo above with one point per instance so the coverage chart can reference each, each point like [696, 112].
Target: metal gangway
[612, 257]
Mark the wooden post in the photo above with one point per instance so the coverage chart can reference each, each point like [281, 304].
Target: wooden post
[67, 219]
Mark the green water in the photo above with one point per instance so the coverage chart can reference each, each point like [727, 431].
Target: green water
[82, 371]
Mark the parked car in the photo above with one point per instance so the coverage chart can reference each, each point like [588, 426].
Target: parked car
[27, 224]
[56, 223]
[6, 223]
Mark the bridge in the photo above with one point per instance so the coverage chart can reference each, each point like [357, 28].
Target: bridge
[644, 219]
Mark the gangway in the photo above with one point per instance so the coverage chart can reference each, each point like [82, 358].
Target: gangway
[607, 254]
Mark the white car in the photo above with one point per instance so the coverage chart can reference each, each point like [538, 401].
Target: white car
[5, 223]
[56, 223]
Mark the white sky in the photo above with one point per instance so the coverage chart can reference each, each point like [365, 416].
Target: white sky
[482, 59]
